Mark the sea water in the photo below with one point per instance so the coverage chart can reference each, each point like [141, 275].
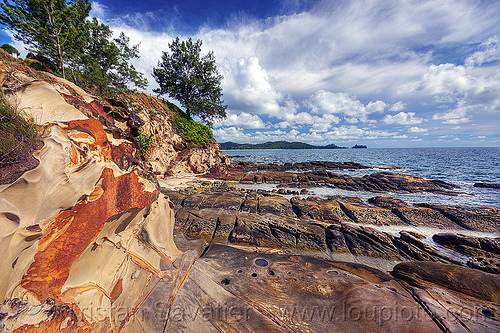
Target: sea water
[457, 165]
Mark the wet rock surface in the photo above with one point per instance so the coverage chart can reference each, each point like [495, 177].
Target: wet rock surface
[309, 174]
[488, 185]
[342, 227]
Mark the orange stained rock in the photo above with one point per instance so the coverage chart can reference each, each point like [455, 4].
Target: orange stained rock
[74, 229]
[121, 154]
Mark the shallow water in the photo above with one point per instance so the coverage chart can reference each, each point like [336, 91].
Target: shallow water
[460, 166]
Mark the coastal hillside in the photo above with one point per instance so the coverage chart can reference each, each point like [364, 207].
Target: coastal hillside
[150, 125]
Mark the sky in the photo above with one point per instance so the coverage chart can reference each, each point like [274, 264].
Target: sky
[384, 73]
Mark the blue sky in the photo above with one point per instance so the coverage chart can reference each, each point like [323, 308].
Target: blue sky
[384, 73]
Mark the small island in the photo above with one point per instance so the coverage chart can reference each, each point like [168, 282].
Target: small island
[279, 145]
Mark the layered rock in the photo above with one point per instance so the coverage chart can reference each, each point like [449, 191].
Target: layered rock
[82, 207]
[48, 98]
[321, 174]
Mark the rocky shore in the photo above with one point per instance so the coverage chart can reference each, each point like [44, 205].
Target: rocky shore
[93, 241]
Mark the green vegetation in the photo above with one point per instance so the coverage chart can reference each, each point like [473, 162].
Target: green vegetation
[20, 136]
[9, 49]
[192, 131]
[53, 28]
[63, 39]
[35, 64]
[146, 141]
[191, 79]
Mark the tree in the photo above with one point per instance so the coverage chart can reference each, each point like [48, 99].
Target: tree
[191, 79]
[51, 27]
[9, 49]
[104, 61]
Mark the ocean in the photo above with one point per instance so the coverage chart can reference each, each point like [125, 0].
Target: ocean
[458, 165]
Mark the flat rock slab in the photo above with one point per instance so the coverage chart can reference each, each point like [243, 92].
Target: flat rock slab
[461, 299]
[289, 293]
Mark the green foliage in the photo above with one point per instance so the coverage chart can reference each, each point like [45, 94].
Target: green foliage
[10, 49]
[35, 64]
[44, 61]
[20, 136]
[146, 141]
[104, 62]
[191, 79]
[192, 131]
[51, 27]
[61, 37]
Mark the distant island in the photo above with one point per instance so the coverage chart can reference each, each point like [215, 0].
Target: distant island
[280, 145]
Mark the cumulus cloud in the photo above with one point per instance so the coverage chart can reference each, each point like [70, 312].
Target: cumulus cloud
[444, 79]
[455, 116]
[403, 118]
[327, 102]
[243, 119]
[320, 71]
[416, 129]
[253, 90]
[398, 106]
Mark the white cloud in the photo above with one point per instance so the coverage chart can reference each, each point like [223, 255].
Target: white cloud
[455, 116]
[444, 79]
[403, 118]
[243, 119]
[253, 90]
[98, 10]
[489, 51]
[327, 102]
[398, 106]
[415, 129]
[400, 137]
[338, 64]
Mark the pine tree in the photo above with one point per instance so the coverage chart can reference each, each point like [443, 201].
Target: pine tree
[191, 79]
[51, 27]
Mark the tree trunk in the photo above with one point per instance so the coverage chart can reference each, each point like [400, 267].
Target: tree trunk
[58, 42]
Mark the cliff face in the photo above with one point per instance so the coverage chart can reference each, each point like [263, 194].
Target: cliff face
[84, 229]
[170, 154]
[48, 98]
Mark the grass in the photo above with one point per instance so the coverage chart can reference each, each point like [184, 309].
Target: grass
[20, 136]
[146, 141]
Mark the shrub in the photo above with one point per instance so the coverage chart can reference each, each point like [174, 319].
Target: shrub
[39, 66]
[192, 131]
[20, 136]
[10, 49]
[146, 141]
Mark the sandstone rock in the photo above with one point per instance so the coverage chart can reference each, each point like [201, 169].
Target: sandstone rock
[425, 217]
[489, 265]
[366, 241]
[461, 242]
[225, 159]
[485, 219]
[275, 204]
[460, 299]
[487, 185]
[290, 293]
[365, 214]
[80, 232]
[319, 209]
[387, 202]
